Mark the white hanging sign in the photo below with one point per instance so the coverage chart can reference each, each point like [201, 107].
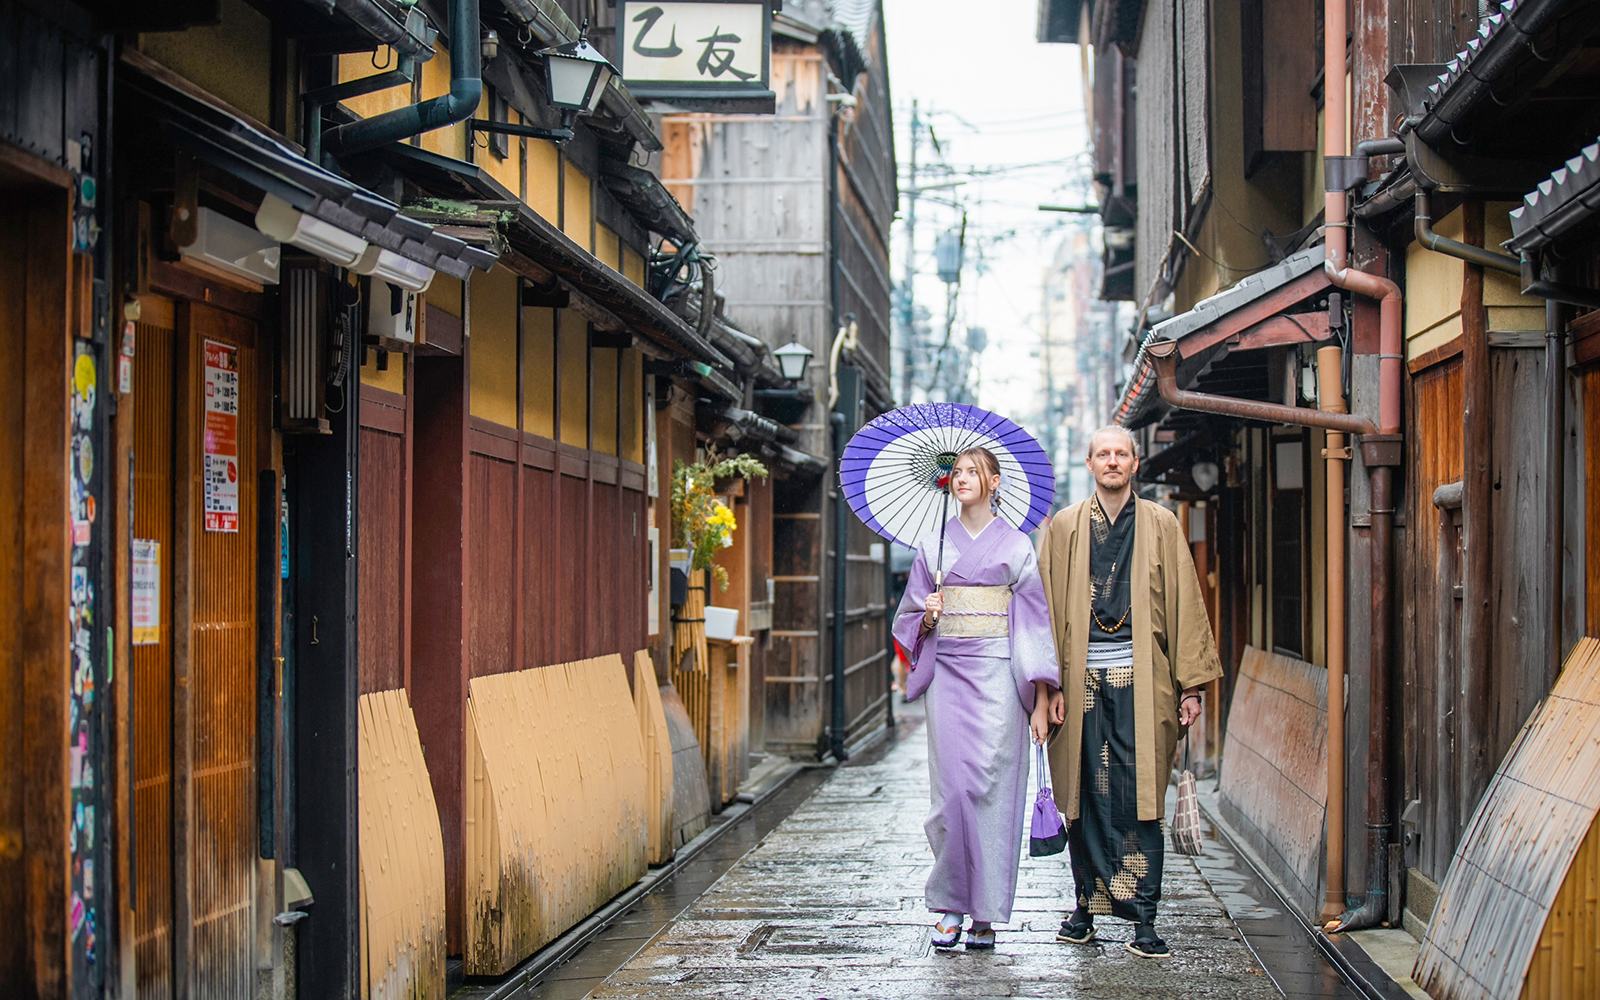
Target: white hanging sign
[716, 50]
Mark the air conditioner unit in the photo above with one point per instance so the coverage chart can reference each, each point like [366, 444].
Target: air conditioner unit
[232, 249]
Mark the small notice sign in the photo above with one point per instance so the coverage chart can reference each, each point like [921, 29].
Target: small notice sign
[146, 597]
[221, 470]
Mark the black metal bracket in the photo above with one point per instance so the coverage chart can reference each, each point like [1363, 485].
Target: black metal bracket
[556, 135]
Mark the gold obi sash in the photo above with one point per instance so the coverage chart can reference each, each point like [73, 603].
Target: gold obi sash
[975, 612]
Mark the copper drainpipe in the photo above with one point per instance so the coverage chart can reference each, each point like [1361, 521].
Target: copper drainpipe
[1330, 398]
[1380, 453]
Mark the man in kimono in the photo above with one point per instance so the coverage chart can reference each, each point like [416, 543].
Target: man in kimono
[1135, 646]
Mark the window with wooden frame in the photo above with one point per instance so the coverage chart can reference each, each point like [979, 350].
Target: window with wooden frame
[1290, 535]
[1280, 63]
[500, 112]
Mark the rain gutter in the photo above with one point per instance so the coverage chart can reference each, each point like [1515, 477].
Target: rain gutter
[466, 91]
[380, 24]
[1501, 40]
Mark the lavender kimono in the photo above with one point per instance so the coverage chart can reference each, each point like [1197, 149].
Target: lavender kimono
[978, 671]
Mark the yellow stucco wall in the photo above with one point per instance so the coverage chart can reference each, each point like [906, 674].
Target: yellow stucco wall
[558, 805]
[539, 372]
[630, 435]
[392, 380]
[633, 266]
[577, 217]
[607, 247]
[402, 856]
[231, 59]
[604, 416]
[355, 65]
[544, 180]
[573, 349]
[1434, 282]
[493, 356]
[1433, 292]
[446, 293]
[507, 169]
[450, 141]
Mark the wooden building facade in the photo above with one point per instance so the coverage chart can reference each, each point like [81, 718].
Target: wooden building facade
[815, 271]
[1470, 138]
[358, 466]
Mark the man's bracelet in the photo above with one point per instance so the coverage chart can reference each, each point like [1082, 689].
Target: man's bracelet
[1188, 696]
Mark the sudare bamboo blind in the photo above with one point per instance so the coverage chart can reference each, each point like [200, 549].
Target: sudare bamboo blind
[1530, 839]
[557, 805]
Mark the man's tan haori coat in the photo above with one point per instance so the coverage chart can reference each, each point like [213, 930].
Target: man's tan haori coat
[1173, 648]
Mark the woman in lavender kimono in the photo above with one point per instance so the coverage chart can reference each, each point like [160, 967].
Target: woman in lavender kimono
[977, 629]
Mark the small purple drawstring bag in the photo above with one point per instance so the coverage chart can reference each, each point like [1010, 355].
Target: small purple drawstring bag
[1047, 835]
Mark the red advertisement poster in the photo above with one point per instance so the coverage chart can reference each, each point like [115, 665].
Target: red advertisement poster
[221, 437]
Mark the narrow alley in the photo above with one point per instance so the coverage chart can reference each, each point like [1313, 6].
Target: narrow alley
[828, 905]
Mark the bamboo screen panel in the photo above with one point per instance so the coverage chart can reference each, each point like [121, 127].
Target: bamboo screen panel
[222, 695]
[557, 805]
[1519, 848]
[152, 665]
[691, 674]
[402, 857]
[657, 740]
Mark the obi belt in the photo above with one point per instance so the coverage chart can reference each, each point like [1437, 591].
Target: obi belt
[975, 612]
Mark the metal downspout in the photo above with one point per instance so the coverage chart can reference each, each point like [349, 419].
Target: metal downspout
[1165, 365]
[1380, 453]
[1423, 227]
[466, 91]
[1330, 398]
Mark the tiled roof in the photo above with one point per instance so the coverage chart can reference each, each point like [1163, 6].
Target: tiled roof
[1567, 198]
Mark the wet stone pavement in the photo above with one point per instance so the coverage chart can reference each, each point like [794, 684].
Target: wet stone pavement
[829, 905]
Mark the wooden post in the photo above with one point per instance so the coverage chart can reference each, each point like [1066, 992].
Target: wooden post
[439, 620]
[1478, 619]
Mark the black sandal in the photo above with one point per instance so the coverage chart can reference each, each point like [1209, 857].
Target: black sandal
[1146, 944]
[1078, 929]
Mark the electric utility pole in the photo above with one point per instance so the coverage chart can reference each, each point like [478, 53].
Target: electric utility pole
[908, 309]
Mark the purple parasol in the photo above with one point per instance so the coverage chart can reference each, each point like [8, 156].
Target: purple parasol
[895, 470]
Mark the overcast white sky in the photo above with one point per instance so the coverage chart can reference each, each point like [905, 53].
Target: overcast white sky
[997, 101]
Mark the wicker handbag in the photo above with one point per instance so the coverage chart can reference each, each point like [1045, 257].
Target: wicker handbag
[1186, 837]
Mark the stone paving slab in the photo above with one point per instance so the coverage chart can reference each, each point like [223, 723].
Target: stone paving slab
[829, 906]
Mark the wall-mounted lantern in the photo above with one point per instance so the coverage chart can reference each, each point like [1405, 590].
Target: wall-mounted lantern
[793, 360]
[576, 76]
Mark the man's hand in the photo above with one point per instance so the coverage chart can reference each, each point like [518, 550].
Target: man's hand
[1044, 703]
[1058, 707]
[1189, 707]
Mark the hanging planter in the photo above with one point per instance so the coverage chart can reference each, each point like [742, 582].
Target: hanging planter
[701, 523]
